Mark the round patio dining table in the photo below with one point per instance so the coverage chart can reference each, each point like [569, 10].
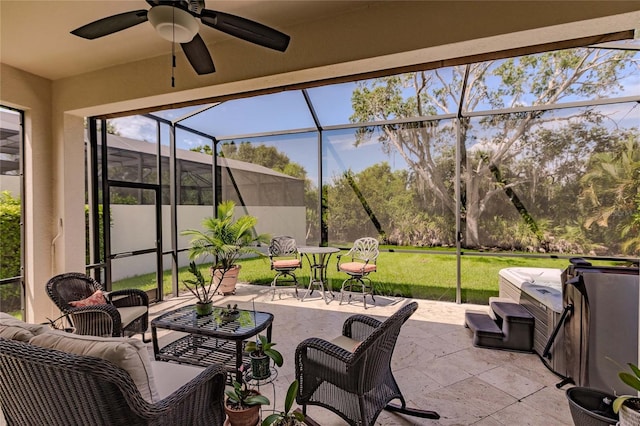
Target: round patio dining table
[318, 258]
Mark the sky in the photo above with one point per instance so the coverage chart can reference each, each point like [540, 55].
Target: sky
[332, 104]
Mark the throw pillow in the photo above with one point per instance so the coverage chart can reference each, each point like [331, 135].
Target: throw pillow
[129, 354]
[97, 298]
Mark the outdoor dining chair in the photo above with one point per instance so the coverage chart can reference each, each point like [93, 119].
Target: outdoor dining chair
[351, 375]
[360, 262]
[94, 312]
[285, 259]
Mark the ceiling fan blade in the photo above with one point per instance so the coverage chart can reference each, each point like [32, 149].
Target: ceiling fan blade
[198, 55]
[245, 29]
[111, 24]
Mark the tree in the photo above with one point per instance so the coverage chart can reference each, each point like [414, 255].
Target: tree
[382, 203]
[263, 155]
[611, 192]
[543, 79]
[269, 156]
[111, 127]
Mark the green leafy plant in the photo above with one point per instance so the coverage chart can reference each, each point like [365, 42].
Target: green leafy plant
[241, 396]
[198, 286]
[286, 417]
[262, 346]
[629, 379]
[228, 313]
[229, 309]
[224, 238]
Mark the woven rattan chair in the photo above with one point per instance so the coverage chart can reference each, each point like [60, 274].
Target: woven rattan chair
[352, 376]
[126, 313]
[285, 259]
[361, 261]
[50, 388]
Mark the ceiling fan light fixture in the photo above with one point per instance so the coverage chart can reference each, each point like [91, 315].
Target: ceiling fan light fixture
[173, 23]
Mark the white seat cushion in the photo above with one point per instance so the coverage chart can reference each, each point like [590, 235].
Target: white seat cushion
[346, 343]
[128, 314]
[169, 377]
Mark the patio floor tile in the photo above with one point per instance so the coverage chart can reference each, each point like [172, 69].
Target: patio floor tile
[434, 362]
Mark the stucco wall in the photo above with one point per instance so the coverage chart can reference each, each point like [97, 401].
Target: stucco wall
[32, 94]
[133, 228]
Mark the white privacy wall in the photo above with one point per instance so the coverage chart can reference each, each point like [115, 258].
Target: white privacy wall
[133, 228]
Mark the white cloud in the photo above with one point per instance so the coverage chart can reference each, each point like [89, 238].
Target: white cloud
[136, 127]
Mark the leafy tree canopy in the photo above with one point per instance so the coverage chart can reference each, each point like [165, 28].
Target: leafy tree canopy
[543, 79]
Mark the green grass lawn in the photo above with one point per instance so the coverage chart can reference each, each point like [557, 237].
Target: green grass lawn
[422, 276]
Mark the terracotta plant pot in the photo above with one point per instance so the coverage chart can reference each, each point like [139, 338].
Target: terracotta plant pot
[204, 308]
[244, 417]
[229, 281]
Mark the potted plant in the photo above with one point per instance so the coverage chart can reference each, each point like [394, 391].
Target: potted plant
[230, 313]
[286, 417]
[261, 352]
[226, 240]
[201, 290]
[628, 406]
[242, 404]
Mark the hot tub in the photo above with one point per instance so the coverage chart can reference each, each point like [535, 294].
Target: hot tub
[542, 284]
[540, 291]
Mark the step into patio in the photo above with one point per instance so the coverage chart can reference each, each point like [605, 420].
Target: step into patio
[512, 328]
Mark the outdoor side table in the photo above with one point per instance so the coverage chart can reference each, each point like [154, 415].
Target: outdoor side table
[318, 258]
[209, 340]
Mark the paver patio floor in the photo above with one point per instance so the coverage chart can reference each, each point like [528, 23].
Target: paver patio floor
[434, 362]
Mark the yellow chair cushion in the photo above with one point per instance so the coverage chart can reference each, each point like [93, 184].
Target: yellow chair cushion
[356, 267]
[286, 263]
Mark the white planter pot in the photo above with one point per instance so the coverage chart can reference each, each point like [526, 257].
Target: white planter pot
[630, 416]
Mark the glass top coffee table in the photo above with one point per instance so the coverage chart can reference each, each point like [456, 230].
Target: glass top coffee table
[209, 339]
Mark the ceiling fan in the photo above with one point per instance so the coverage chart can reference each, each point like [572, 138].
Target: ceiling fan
[176, 21]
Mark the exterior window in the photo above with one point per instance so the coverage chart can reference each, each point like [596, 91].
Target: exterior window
[11, 210]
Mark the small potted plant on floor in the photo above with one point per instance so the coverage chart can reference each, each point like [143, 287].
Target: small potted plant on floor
[628, 406]
[201, 290]
[226, 240]
[286, 417]
[261, 353]
[242, 404]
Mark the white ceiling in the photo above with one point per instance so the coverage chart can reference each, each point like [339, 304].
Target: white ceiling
[35, 34]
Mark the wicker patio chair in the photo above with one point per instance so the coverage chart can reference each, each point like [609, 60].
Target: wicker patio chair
[48, 387]
[285, 259]
[125, 313]
[361, 262]
[351, 375]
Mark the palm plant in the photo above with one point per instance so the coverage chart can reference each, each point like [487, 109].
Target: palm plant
[610, 191]
[224, 238]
